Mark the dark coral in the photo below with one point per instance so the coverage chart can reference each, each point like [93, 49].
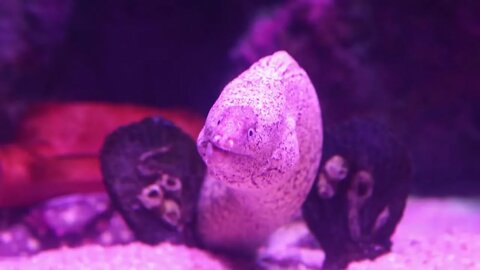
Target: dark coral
[357, 218]
[153, 174]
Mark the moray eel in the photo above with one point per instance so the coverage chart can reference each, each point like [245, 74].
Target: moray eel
[262, 143]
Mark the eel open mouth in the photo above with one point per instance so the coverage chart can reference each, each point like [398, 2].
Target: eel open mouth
[214, 152]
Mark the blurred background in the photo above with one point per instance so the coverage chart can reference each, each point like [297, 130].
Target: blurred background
[414, 64]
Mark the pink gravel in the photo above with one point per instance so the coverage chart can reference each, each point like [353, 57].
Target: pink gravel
[132, 256]
[434, 234]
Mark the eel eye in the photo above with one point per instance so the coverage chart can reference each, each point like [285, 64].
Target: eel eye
[250, 132]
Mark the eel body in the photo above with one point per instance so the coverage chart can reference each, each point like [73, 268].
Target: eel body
[262, 144]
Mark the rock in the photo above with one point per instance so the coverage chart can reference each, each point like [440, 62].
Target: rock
[66, 221]
[153, 175]
[360, 192]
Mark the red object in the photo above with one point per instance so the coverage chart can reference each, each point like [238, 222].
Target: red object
[58, 145]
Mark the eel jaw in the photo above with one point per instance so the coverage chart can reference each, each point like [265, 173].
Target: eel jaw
[215, 151]
[213, 146]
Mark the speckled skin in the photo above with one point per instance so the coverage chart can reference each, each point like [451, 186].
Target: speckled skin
[262, 141]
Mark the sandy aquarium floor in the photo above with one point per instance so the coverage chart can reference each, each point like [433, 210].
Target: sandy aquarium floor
[434, 234]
